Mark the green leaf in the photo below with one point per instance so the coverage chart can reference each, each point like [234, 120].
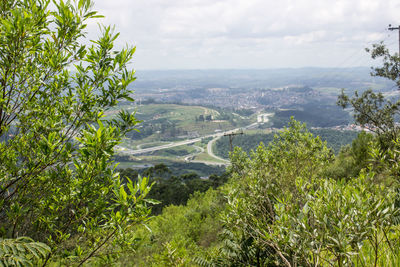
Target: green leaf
[123, 193]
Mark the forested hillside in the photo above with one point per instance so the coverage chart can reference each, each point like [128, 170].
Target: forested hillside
[335, 139]
[314, 114]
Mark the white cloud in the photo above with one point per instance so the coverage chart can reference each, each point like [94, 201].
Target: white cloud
[247, 33]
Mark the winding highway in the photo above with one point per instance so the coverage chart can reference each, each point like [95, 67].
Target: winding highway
[211, 153]
[189, 141]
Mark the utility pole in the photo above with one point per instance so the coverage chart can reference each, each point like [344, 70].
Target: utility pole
[395, 28]
[231, 136]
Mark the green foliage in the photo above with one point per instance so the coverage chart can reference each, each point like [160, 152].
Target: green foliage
[235, 250]
[167, 184]
[390, 68]
[360, 149]
[172, 256]
[379, 115]
[343, 166]
[284, 208]
[22, 251]
[246, 142]
[386, 162]
[181, 233]
[292, 153]
[333, 223]
[58, 184]
[372, 109]
[280, 200]
[335, 139]
[352, 159]
[264, 178]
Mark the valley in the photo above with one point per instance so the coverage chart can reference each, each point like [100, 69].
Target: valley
[185, 118]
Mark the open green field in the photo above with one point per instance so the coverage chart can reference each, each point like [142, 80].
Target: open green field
[205, 157]
[170, 122]
[180, 114]
[178, 151]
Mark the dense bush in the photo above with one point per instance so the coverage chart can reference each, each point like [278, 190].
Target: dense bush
[58, 184]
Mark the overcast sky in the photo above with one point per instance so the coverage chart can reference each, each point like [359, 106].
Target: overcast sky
[201, 34]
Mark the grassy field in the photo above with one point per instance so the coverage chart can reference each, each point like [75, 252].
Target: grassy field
[207, 158]
[181, 114]
[178, 151]
[169, 122]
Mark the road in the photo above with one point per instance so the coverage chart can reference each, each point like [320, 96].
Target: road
[199, 150]
[151, 149]
[180, 143]
[211, 153]
[190, 141]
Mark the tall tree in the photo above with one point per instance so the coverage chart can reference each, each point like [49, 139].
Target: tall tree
[58, 184]
[373, 110]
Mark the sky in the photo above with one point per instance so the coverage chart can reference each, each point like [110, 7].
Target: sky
[249, 34]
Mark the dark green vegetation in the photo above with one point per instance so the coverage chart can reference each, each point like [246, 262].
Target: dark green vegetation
[314, 115]
[177, 167]
[180, 168]
[335, 139]
[171, 187]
